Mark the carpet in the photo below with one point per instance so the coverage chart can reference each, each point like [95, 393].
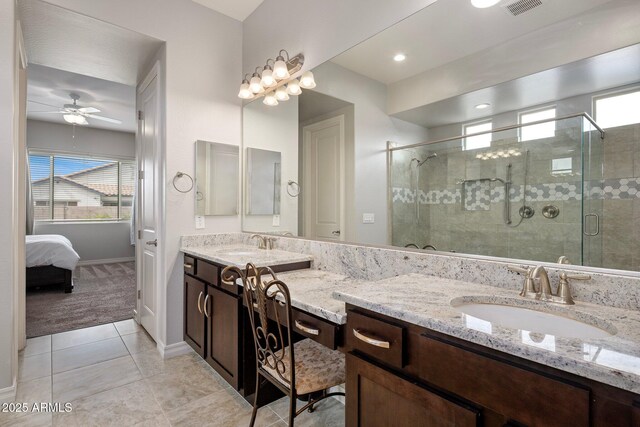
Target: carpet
[102, 293]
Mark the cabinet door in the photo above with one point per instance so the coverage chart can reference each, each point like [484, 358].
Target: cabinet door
[377, 397]
[222, 311]
[194, 325]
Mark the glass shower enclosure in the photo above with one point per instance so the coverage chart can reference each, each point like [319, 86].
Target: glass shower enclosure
[517, 192]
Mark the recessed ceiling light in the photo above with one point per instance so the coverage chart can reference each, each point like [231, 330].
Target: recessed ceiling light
[481, 4]
[399, 57]
[483, 106]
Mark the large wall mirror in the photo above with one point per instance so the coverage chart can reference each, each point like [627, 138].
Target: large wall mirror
[493, 134]
[217, 172]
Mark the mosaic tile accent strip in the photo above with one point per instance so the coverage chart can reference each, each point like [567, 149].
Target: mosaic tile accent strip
[479, 194]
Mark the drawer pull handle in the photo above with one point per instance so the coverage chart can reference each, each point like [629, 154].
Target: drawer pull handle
[189, 266]
[198, 304]
[307, 329]
[206, 306]
[369, 340]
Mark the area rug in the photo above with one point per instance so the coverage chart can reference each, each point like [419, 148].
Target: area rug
[102, 293]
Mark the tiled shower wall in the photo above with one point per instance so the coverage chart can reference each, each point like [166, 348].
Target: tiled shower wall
[477, 225]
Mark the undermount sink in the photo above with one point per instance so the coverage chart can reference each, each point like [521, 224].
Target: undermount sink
[532, 319]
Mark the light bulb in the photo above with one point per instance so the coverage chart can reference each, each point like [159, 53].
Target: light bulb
[307, 81]
[75, 119]
[482, 106]
[280, 70]
[399, 57]
[281, 94]
[293, 88]
[481, 4]
[255, 85]
[267, 77]
[245, 92]
[270, 99]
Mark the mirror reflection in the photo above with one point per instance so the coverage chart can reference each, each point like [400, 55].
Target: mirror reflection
[263, 182]
[512, 142]
[217, 173]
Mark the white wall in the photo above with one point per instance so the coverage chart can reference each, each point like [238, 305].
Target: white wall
[95, 241]
[8, 352]
[319, 29]
[274, 129]
[58, 137]
[202, 74]
[372, 129]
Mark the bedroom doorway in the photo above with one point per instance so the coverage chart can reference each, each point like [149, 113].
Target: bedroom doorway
[81, 148]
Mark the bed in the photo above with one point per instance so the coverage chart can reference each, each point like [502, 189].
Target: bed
[51, 260]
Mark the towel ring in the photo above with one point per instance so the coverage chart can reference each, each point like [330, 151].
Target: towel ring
[293, 189]
[180, 175]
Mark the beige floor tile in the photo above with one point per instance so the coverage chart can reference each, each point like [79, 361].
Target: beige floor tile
[41, 419]
[37, 345]
[87, 354]
[29, 392]
[139, 342]
[151, 362]
[225, 408]
[122, 406]
[83, 336]
[158, 421]
[177, 387]
[128, 326]
[329, 413]
[89, 380]
[32, 367]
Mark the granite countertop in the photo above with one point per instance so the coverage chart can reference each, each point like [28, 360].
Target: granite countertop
[240, 255]
[426, 301]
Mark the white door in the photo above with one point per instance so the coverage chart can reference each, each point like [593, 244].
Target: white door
[148, 206]
[323, 184]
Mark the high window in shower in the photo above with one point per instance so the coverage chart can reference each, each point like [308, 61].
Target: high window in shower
[534, 196]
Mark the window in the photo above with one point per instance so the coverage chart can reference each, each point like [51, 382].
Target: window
[80, 188]
[539, 131]
[478, 141]
[618, 109]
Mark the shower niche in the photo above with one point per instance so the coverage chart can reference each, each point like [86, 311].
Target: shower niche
[538, 199]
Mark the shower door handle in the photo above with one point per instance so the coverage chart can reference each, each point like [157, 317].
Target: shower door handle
[336, 233]
[585, 228]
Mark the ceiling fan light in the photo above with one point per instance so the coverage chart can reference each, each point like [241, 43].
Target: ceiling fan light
[75, 119]
[267, 77]
[307, 81]
[245, 92]
[270, 100]
[280, 70]
[281, 94]
[293, 88]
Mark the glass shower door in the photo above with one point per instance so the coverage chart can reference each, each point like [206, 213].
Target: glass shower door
[593, 194]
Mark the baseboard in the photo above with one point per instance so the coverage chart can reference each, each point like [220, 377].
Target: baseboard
[173, 350]
[8, 394]
[106, 261]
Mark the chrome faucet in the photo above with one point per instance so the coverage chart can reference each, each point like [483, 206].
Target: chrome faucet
[544, 292]
[262, 241]
[563, 260]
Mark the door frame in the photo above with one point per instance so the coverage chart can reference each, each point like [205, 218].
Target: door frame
[307, 190]
[154, 72]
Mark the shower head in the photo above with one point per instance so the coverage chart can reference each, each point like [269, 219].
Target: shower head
[422, 162]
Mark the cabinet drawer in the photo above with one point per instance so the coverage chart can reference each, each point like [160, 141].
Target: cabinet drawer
[321, 331]
[518, 393]
[208, 272]
[189, 265]
[381, 340]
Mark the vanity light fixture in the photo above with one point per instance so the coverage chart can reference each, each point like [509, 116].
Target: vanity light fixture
[399, 57]
[483, 106]
[276, 82]
[481, 4]
[307, 81]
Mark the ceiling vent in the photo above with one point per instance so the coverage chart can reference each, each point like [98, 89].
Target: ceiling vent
[521, 6]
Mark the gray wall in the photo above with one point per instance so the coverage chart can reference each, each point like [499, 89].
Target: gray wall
[95, 241]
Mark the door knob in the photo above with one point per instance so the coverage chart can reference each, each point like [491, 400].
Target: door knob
[336, 233]
[153, 242]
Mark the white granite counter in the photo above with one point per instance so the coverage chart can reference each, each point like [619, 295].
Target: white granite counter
[240, 255]
[426, 301]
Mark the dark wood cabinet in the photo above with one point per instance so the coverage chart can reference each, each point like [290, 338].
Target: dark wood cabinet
[465, 378]
[194, 325]
[222, 312]
[378, 397]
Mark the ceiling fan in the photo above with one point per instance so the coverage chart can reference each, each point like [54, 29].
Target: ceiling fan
[77, 115]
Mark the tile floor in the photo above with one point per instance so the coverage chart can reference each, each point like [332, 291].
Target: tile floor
[113, 375]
